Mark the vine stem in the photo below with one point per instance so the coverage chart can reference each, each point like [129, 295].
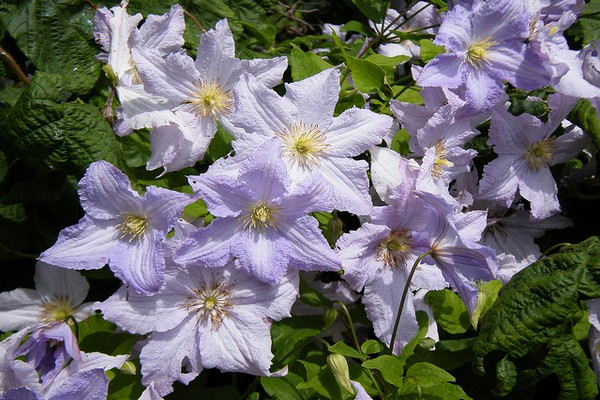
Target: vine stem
[194, 20]
[14, 66]
[552, 248]
[403, 299]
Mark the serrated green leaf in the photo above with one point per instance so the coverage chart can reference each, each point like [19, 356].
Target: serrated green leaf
[58, 136]
[429, 50]
[305, 64]
[506, 375]
[449, 311]
[57, 36]
[537, 309]
[584, 116]
[345, 350]
[367, 76]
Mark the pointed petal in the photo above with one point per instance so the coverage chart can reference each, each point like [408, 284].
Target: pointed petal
[350, 183]
[224, 196]
[355, 131]
[51, 282]
[87, 245]
[262, 254]
[85, 385]
[267, 71]
[164, 206]
[316, 97]
[312, 194]
[265, 172]
[210, 246]
[445, 70]
[19, 308]
[216, 55]
[162, 32]
[540, 189]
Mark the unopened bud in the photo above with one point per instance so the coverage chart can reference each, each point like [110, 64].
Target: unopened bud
[128, 368]
[330, 316]
[339, 366]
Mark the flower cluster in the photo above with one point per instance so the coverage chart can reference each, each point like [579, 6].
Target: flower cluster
[430, 218]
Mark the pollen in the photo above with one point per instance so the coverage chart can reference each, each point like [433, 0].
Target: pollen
[540, 154]
[303, 144]
[57, 309]
[478, 51]
[133, 227]
[210, 101]
[261, 216]
[441, 162]
[394, 250]
[211, 302]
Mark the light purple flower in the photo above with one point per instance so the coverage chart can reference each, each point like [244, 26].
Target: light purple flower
[485, 44]
[59, 294]
[261, 221]
[44, 362]
[209, 318]
[198, 94]
[120, 228]
[526, 149]
[312, 138]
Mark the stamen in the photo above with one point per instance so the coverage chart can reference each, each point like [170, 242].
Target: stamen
[262, 216]
[132, 227]
[540, 154]
[394, 250]
[58, 309]
[211, 302]
[210, 101]
[303, 144]
[477, 53]
[441, 162]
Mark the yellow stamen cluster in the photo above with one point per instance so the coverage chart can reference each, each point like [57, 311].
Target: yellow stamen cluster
[477, 53]
[540, 154]
[211, 302]
[262, 216]
[210, 101]
[441, 159]
[58, 309]
[303, 144]
[133, 227]
[394, 250]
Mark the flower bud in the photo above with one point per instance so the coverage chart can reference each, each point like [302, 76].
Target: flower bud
[330, 316]
[339, 367]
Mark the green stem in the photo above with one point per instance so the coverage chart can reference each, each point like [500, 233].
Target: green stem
[403, 299]
[350, 325]
[552, 248]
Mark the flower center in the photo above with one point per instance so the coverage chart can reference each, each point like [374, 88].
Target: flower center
[211, 302]
[540, 154]
[303, 144]
[58, 309]
[132, 227]
[262, 216]
[210, 100]
[477, 52]
[441, 159]
[394, 250]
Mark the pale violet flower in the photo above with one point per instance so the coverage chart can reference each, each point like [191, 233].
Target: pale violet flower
[526, 149]
[59, 293]
[117, 32]
[261, 221]
[120, 228]
[313, 140]
[485, 45]
[197, 93]
[44, 362]
[209, 318]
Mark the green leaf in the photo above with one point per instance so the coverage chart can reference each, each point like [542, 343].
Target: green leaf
[488, 293]
[284, 387]
[305, 64]
[449, 311]
[355, 26]
[391, 367]
[57, 36]
[587, 27]
[536, 310]
[374, 10]
[367, 76]
[429, 50]
[506, 375]
[385, 61]
[68, 136]
[372, 347]
[424, 380]
[312, 297]
[584, 116]
[345, 350]
[290, 335]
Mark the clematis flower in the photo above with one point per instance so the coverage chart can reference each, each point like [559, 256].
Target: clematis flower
[485, 45]
[120, 228]
[210, 317]
[198, 94]
[313, 140]
[117, 32]
[261, 221]
[44, 362]
[59, 294]
[526, 149]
